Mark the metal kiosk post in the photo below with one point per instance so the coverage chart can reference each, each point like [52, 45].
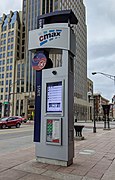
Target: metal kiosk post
[106, 109]
[54, 121]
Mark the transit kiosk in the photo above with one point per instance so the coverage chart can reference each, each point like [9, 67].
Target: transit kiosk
[54, 111]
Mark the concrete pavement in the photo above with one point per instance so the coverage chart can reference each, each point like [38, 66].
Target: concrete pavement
[94, 160]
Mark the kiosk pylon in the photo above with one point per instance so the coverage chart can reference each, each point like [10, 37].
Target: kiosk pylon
[54, 115]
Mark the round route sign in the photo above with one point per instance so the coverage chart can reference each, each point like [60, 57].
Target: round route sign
[39, 61]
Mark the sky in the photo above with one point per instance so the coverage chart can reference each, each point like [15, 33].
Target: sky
[101, 45]
[100, 19]
[7, 5]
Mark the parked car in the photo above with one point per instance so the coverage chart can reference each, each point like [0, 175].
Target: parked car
[9, 122]
[22, 119]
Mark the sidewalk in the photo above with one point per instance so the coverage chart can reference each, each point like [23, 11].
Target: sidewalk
[94, 160]
[99, 124]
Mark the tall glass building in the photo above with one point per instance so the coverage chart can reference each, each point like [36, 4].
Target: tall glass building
[31, 10]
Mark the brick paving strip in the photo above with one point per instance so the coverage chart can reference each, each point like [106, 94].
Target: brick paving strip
[94, 160]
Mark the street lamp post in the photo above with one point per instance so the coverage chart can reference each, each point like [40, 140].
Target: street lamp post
[91, 97]
[9, 99]
[94, 126]
[10, 84]
[107, 75]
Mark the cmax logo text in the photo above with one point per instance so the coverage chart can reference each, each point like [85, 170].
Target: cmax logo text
[49, 36]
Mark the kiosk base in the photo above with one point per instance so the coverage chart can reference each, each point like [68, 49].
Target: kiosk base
[54, 162]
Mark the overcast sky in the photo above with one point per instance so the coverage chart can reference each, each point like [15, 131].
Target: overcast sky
[101, 44]
[101, 40]
[7, 5]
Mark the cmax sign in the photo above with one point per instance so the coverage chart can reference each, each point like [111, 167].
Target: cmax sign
[49, 36]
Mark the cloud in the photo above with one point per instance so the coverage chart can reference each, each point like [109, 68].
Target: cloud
[6, 6]
[102, 49]
[101, 44]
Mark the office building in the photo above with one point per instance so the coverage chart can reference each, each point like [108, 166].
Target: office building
[98, 102]
[10, 54]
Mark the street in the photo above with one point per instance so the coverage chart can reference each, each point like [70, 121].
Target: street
[16, 139]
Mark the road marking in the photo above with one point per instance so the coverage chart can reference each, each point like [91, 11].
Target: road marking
[11, 131]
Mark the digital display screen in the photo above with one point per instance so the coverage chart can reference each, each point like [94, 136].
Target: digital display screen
[54, 97]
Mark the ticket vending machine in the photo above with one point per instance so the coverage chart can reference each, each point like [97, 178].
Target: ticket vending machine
[54, 115]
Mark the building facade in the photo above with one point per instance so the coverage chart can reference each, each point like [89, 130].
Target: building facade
[10, 53]
[31, 10]
[90, 100]
[98, 102]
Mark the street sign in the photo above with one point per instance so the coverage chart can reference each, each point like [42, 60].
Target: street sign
[6, 102]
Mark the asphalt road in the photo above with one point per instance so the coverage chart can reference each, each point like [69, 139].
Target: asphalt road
[15, 139]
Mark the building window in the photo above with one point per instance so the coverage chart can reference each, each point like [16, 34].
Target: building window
[7, 61]
[51, 5]
[8, 47]
[10, 74]
[18, 67]
[4, 35]
[43, 7]
[12, 33]
[18, 89]
[22, 89]
[2, 69]
[3, 55]
[12, 25]
[11, 46]
[10, 81]
[3, 62]
[6, 89]
[8, 40]
[1, 97]
[4, 48]
[7, 68]
[6, 97]
[10, 67]
[7, 81]
[4, 41]
[47, 6]
[11, 53]
[4, 28]
[11, 60]
[17, 54]
[8, 54]
[12, 39]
